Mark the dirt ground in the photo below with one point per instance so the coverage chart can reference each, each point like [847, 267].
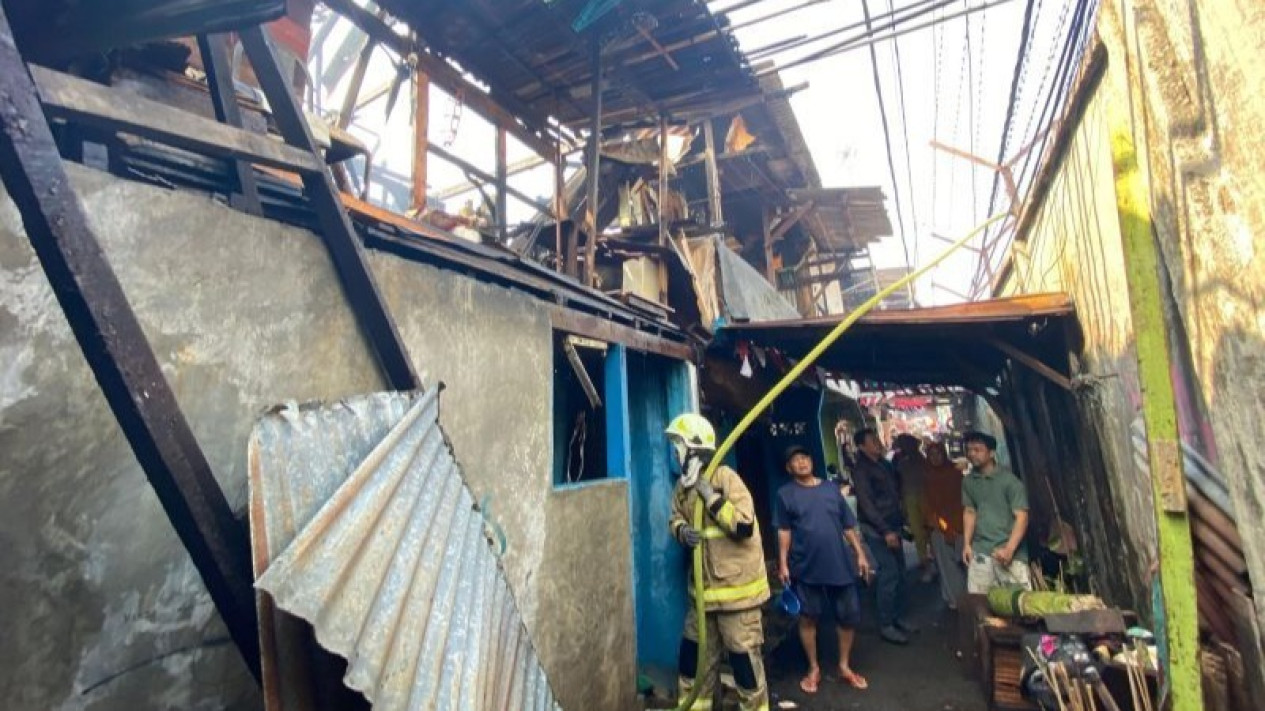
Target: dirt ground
[923, 676]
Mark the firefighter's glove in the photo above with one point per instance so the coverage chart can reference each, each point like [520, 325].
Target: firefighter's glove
[704, 490]
[689, 536]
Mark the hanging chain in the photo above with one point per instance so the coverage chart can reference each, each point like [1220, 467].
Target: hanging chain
[454, 117]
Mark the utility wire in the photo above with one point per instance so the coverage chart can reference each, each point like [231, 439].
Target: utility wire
[904, 126]
[915, 7]
[937, 53]
[887, 139]
[1072, 52]
[866, 39]
[971, 127]
[1021, 57]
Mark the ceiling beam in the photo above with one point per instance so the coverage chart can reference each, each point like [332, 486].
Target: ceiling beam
[521, 121]
[1033, 363]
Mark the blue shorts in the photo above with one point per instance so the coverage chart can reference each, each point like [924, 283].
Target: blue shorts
[841, 601]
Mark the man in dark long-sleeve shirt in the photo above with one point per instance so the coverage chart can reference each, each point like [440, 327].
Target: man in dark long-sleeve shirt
[880, 507]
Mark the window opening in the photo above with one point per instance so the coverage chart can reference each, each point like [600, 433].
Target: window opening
[579, 382]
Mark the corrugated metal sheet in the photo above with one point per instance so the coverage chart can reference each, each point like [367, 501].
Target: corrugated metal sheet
[384, 552]
[746, 295]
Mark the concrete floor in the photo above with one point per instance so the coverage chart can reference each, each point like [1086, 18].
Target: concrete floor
[923, 676]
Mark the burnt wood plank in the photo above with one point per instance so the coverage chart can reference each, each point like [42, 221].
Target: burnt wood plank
[91, 104]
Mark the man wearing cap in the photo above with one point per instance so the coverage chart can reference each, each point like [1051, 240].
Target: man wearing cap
[814, 521]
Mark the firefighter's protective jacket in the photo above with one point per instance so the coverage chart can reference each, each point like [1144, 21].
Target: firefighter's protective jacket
[734, 574]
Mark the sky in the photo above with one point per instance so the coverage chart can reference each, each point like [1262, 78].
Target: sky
[950, 94]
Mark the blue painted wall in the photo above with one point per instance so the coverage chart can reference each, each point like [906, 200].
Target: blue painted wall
[658, 389]
[618, 448]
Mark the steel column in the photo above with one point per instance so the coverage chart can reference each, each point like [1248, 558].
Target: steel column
[594, 169]
[340, 237]
[118, 353]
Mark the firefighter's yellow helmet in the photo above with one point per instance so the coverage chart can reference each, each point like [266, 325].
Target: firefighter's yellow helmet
[694, 430]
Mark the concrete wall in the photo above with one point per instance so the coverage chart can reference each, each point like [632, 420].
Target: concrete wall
[1187, 73]
[102, 606]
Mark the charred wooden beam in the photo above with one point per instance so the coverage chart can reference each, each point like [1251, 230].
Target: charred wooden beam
[602, 329]
[474, 171]
[1033, 363]
[340, 238]
[120, 357]
[790, 220]
[594, 169]
[421, 139]
[348, 110]
[502, 184]
[90, 104]
[219, 81]
[716, 214]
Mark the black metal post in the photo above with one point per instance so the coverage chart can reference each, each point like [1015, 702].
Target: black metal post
[340, 238]
[219, 80]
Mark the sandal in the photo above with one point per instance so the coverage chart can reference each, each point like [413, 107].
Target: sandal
[810, 682]
[853, 679]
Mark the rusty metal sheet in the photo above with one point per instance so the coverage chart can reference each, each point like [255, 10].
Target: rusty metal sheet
[365, 528]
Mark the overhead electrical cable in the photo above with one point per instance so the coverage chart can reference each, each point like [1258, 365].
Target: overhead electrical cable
[1070, 57]
[904, 126]
[971, 127]
[887, 139]
[937, 54]
[1021, 56]
[918, 9]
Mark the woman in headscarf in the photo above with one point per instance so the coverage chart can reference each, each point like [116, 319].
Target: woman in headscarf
[942, 509]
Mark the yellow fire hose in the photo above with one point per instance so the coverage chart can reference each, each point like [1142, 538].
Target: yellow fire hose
[700, 608]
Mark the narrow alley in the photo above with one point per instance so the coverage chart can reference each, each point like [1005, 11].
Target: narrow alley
[612, 355]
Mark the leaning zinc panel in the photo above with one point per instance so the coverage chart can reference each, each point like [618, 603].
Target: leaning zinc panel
[364, 527]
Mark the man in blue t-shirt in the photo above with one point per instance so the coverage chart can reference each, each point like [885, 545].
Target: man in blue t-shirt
[813, 522]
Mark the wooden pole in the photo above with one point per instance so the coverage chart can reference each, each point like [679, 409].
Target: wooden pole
[421, 139]
[595, 165]
[502, 184]
[716, 216]
[1159, 411]
[766, 222]
[662, 203]
[559, 204]
[663, 180]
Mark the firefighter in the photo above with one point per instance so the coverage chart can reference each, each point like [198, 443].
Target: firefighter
[734, 578]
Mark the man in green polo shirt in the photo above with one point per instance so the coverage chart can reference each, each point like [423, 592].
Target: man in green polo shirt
[994, 520]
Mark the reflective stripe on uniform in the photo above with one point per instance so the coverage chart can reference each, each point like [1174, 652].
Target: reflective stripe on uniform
[734, 592]
[725, 516]
[713, 532]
